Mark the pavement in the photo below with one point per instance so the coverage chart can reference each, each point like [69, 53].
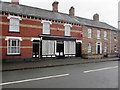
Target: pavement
[53, 62]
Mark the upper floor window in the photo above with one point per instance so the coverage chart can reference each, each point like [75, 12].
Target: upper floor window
[89, 47]
[46, 27]
[105, 35]
[67, 29]
[89, 33]
[14, 23]
[115, 35]
[98, 34]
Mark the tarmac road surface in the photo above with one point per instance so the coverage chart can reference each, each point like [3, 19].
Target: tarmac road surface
[91, 75]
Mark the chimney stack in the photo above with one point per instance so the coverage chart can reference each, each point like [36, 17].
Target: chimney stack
[15, 2]
[55, 6]
[72, 11]
[96, 17]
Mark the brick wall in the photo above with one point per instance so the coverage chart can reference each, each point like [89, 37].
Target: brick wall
[110, 42]
[31, 28]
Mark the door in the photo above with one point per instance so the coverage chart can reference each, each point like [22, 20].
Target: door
[98, 48]
[36, 49]
[60, 49]
[78, 49]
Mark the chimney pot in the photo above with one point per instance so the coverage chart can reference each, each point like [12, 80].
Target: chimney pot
[15, 2]
[96, 17]
[72, 11]
[55, 6]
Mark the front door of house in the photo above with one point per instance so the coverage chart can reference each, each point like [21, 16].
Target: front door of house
[60, 48]
[98, 48]
[78, 49]
[36, 49]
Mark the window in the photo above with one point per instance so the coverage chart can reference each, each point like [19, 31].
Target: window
[105, 48]
[89, 33]
[105, 35]
[14, 23]
[98, 34]
[67, 29]
[115, 35]
[48, 47]
[69, 47]
[89, 47]
[13, 46]
[46, 27]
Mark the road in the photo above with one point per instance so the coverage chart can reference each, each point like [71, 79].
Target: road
[92, 75]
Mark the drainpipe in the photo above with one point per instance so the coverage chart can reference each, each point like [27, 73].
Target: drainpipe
[110, 43]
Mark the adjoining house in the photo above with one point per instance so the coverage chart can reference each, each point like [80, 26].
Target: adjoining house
[30, 32]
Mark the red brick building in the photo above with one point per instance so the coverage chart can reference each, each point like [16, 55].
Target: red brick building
[29, 32]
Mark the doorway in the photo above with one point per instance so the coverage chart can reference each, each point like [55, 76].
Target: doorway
[98, 48]
[36, 49]
[60, 48]
[78, 49]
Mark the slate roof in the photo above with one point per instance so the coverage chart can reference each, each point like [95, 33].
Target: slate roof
[46, 14]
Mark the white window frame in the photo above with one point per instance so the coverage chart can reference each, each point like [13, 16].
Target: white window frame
[32, 39]
[67, 31]
[12, 38]
[105, 48]
[89, 33]
[48, 29]
[78, 41]
[89, 47]
[98, 34]
[105, 35]
[12, 25]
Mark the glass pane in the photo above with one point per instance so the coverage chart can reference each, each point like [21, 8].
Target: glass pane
[67, 30]
[13, 42]
[46, 28]
[8, 42]
[9, 50]
[17, 49]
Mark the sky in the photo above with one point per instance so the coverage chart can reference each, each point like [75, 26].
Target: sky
[107, 9]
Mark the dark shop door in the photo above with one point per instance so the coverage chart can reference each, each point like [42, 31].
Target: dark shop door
[78, 49]
[36, 49]
[60, 48]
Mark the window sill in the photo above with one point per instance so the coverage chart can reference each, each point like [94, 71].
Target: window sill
[90, 37]
[115, 40]
[12, 32]
[105, 39]
[13, 54]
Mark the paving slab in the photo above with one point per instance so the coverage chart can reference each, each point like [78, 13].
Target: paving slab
[44, 63]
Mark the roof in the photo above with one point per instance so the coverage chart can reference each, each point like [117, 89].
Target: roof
[46, 14]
